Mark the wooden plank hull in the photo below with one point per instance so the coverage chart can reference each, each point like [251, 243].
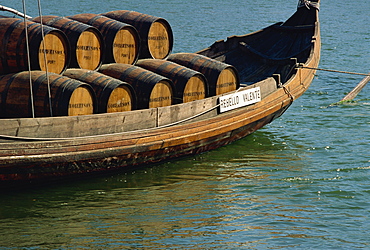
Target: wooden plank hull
[39, 150]
[50, 167]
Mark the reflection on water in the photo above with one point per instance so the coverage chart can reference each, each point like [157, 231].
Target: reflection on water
[212, 198]
[256, 192]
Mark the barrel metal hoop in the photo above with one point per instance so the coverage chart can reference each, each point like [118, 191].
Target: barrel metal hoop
[4, 94]
[5, 42]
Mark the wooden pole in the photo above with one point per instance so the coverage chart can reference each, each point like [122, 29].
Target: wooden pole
[4, 8]
[351, 95]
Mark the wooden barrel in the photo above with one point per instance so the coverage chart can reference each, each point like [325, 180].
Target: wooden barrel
[112, 94]
[87, 43]
[13, 47]
[155, 32]
[222, 77]
[69, 97]
[152, 90]
[122, 41]
[189, 84]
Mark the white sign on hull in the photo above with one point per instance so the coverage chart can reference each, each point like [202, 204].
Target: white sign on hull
[239, 99]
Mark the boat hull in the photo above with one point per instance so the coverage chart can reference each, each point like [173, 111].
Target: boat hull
[48, 168]
[43, 150]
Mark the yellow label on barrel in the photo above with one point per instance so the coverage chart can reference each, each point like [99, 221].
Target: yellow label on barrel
[124, 47]
[194, 89]
[88, 50]
[161, 95]
[80, 102]
[119, 100]
[227, 81]
[158, 40]
[53, 49]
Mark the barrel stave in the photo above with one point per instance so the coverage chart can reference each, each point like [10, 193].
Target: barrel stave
[112, 94]
[152, 90]
[122, 40]
[155, 32]
[87, 43]
[189, 84]
[14, 53]
[221, 77]
[68, 96]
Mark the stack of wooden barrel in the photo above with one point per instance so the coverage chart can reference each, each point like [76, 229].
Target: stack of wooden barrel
[97, 63]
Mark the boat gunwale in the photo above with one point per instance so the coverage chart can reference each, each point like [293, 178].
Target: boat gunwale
[79, 119]
[176, 135]
[154, 130]
[149, 132]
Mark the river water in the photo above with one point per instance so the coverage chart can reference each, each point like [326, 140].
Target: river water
[302, 182]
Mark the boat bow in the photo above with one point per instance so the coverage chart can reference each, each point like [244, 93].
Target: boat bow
[268, 61]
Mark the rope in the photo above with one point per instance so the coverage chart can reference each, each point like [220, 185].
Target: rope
[336, 71]
[287, 91]
[28, 58]
[110, 134]
[46, 64]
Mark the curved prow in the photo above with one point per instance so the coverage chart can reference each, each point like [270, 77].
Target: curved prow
[305, 14]
[273, 50]
[309, 4]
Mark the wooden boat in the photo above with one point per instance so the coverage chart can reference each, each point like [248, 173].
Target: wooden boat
[271, 66]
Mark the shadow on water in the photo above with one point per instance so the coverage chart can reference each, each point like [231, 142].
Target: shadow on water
[209, 195]
[247, 160]
[257, 146]
[280, 185]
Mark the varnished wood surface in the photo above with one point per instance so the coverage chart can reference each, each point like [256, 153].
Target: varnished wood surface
[81, 102]
[159, 40]
[152, 90]
[161, 95]
[122, 40]
[155, 32]
[190, 85]
[14, 56]
[120, 100]
[54, 49]
[87, 44]
[112, 94]
[88, 50]
[221, 77]
[126, 45]
[227, 81]
[120, 122]
[67, 96]
[195, 89]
